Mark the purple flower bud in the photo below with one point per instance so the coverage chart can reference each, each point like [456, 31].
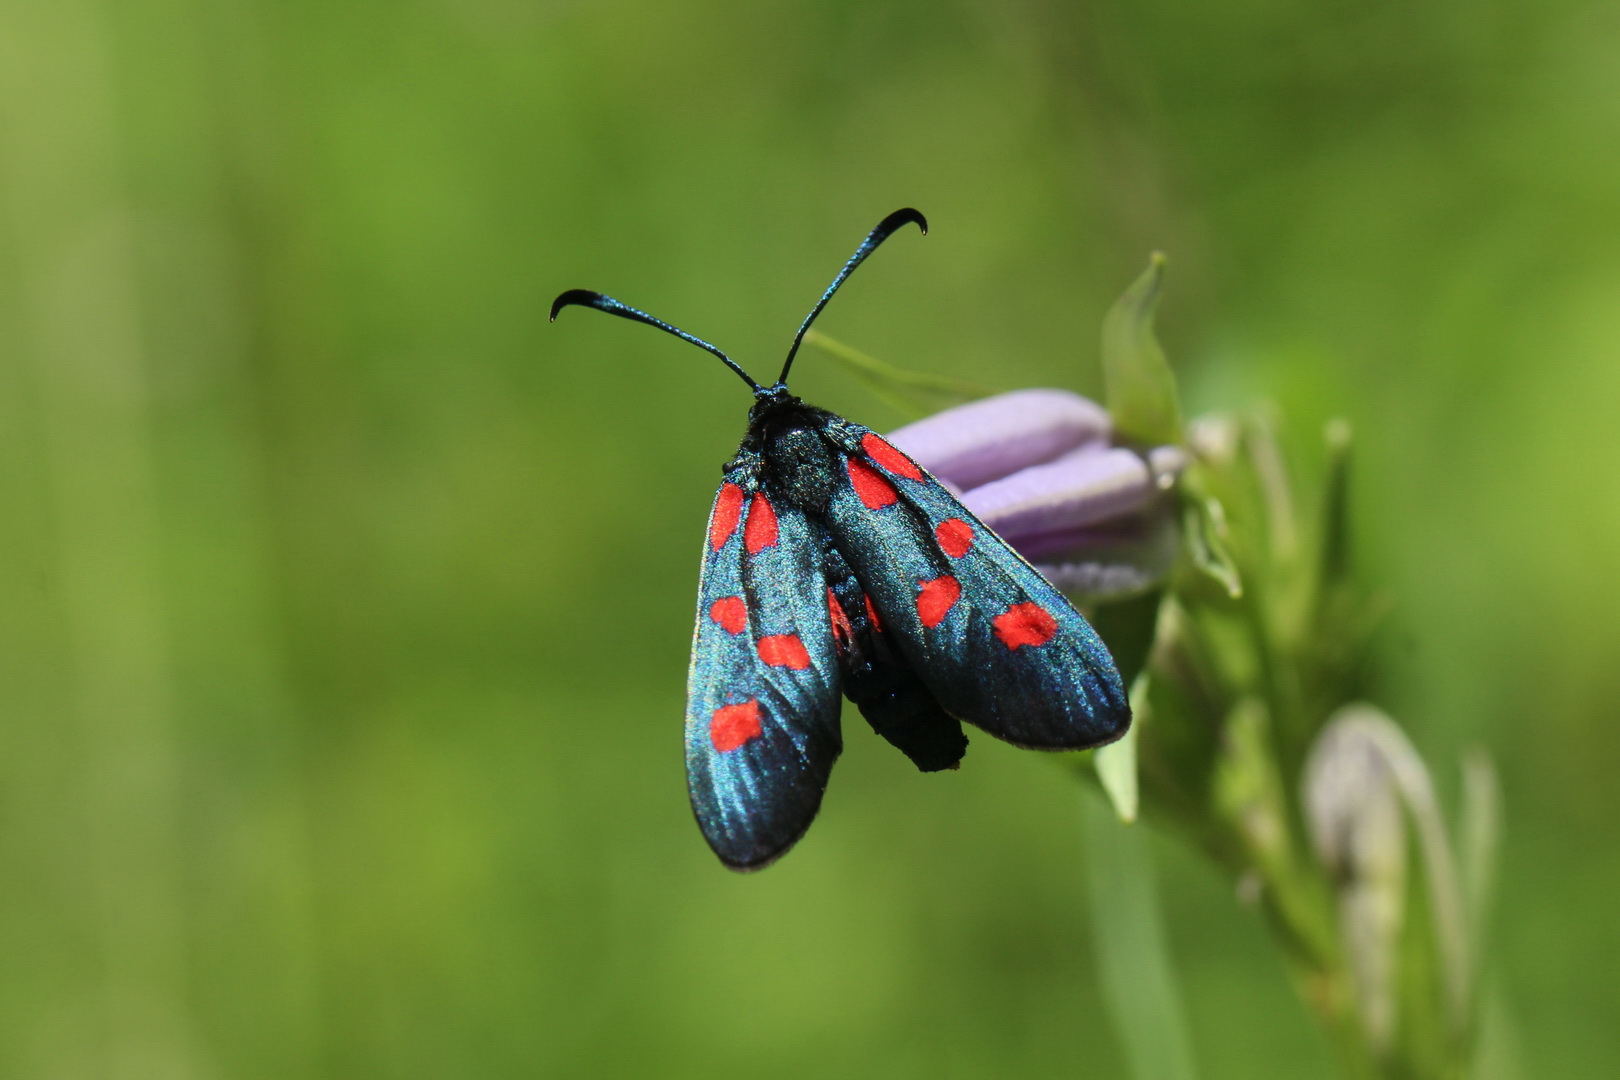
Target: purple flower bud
[1080, 488]
[1107, 564]
[991, 438]
[1038, 468]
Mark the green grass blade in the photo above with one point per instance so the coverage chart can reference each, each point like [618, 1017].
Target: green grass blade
[1133, 956]
[912, 393]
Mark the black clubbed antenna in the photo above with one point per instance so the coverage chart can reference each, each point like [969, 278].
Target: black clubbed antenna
[885, 228]
[586, 298]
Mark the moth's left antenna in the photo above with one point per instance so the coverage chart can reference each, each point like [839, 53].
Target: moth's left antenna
[586, 298]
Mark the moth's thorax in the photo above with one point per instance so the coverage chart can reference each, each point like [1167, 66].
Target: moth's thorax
[790, 449]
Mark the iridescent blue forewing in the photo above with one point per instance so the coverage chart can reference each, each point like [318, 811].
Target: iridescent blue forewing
[989, 637]
[763, 693]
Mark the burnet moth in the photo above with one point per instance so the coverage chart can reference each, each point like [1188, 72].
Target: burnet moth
[833, 565]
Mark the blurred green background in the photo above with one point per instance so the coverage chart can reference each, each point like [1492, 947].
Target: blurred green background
[346, 603]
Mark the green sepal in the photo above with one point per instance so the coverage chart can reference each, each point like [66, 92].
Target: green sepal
[1140, 388]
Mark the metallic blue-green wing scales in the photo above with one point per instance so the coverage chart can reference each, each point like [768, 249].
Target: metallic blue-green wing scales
[992, 640]
[835, 566]
[762, 710]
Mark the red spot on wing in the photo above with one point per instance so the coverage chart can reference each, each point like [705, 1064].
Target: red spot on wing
[874, 491]
[733, 725]
[760, 532]
[936, 599]
[727, 511]
[730, 612]
[890, 458]
[955, 537]
[871, 614]
[843, 631]
[784, 650]
[1025, 624]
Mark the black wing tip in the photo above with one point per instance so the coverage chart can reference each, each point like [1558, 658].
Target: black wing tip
[906, 215]
[582, 297]
[753, 867]
[1099, 731]
[1107, 726]
[1115, 726]
[751, 860]
[767, 844]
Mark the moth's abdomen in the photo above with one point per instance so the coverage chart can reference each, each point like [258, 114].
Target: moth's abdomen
[881, 684]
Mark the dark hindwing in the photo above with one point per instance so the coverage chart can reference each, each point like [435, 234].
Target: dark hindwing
[992, 640]
[762, 698]
[880, 682]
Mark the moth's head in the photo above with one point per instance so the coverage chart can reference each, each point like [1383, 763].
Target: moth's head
[771, 396]
[773, 406]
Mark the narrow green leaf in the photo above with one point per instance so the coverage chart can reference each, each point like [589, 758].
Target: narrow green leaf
[1335, 550]
[1204, 531]
[912, 393]
[1133, 957]
[1276, 494]
[1128, 629]
[1251, 799]
[1249, 789]
[1479, 834]
[1116, 762]
[1141, 389]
